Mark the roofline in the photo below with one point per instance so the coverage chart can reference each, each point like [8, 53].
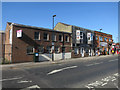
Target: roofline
[102, 32]
[76, 26]
[34, 27]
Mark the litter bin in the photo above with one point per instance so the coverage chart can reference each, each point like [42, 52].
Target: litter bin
[36, 57]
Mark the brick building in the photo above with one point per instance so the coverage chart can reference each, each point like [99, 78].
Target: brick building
[2, 41]
[22, 41]
[82, 39]
[103, 43]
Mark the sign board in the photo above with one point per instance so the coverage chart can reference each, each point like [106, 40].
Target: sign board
[77, 34]
[19, 33]
[90, 36]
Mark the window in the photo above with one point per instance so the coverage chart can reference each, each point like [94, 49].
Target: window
[46, 36]
[41, 49]
[60, 38]
[96, 37]
[37, 35]
[53, 37]
[76, 51]
[101, 39]
[57, 49]
[109, 40]
[81, 35]
[30, 50]
[66, 38]
[49, 49]
[105, 39]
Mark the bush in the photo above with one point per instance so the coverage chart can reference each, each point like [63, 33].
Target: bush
[5, 61]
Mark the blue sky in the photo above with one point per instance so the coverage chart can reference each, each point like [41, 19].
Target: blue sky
[90, 15]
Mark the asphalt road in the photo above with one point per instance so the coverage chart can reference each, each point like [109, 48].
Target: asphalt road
[100, 72]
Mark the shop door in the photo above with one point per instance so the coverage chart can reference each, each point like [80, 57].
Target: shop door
[82, 52]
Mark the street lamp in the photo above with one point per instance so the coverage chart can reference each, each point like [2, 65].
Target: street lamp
[53, 21]
[100, 29]
[52, 41]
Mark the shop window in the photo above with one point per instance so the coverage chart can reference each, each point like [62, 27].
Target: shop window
[60, 38]
[49, 49]
[76, 51]
[57, 49]
[66, 38]
[37, 35]
[53, 37]
[46, 36]
[41, 49]
[30, 50]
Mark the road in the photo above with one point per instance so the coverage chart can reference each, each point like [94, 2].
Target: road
[100, 72]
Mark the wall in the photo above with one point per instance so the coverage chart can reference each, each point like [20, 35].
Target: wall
[20, 44]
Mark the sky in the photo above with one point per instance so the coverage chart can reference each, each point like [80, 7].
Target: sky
[90, 15]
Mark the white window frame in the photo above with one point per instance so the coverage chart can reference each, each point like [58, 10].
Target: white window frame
[38, 36]
[61, 38]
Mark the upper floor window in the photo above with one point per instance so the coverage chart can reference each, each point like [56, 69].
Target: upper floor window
[81, 35]
[46, 36]
[37, 35]
[30, 50]
[66, 38]
[101, 39]
[60, 38]
[109, 40]
[96, 37]
[53, 37]
[105, 39]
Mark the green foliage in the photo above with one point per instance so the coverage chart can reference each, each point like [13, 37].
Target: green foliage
[5, 61]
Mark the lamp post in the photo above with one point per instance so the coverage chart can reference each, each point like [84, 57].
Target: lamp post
[100, 29]
[52, 41]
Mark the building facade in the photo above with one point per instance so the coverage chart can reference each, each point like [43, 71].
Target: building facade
[82, 39]
[23, 41]
[2, 41]
[103, 43]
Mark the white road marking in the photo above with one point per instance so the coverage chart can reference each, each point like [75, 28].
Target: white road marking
[10, 79]
[25, 81]
[112, 60]
[103, 81]
[59, 70]
[94, 64]
[34, 86]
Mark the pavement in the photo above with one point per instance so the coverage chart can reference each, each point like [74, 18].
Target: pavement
[35, 64]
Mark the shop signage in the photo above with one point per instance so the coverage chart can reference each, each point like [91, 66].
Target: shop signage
[77, 34]
[19, 33]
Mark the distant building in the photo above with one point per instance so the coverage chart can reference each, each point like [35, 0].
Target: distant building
[82, 39]
[2, 41]
[103, 42]
[23, 41]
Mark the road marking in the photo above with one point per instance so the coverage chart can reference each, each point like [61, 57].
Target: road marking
[103, 81]
[10, 79]
[25, 81]
[59, 70]
[112, 60]
[94, 64]
[34, 86]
